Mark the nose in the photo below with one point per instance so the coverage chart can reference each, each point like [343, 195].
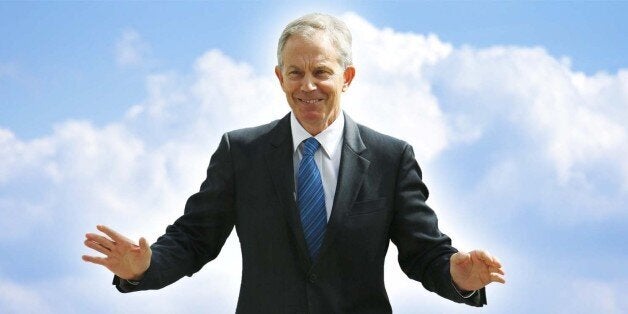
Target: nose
[307, 85]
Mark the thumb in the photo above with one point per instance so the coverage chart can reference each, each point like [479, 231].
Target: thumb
[144, 248]
[460, 257]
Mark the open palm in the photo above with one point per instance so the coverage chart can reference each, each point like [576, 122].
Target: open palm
[122, 257]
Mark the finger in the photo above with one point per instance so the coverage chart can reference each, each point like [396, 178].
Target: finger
[488, 258]
[112, 234]
[96, 260]
[497, 278]
[484, 256]
[97, 247]
[107, 243]
[496, 262]
[144, 248]
[497, 270]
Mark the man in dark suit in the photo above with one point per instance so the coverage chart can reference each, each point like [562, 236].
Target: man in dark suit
[315, 199]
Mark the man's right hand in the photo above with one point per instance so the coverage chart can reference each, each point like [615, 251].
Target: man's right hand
[123, 257]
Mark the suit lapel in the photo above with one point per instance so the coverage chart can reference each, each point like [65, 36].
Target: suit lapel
[279, 161]
[352, 170]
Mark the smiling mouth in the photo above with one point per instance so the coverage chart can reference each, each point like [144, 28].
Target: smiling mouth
[309, 101]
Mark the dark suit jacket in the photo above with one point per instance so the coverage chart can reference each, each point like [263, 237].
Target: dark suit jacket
[380, 198]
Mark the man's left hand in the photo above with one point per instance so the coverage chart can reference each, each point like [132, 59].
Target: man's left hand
[474, 270]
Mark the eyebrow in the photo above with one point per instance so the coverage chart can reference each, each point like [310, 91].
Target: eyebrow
[319, 67]
[323, 67]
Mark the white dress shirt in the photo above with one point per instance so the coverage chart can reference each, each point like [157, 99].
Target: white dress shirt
[327, 157]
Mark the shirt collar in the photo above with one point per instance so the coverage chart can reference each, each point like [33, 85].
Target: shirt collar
[329, 138]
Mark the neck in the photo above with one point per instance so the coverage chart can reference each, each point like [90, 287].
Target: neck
[318, 128]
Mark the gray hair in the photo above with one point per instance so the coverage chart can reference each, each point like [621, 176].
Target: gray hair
[307, 26]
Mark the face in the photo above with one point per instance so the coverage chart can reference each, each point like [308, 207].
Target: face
[313, 80]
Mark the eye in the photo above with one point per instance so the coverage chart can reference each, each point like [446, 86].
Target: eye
[294, 74]
[322, 73]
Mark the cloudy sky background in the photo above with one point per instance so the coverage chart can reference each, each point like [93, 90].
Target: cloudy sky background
[517, 113]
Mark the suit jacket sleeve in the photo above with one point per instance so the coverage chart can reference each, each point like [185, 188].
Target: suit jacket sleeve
[424, 251]
[199, 234]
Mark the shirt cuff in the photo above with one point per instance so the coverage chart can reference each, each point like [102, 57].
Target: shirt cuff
[463, 294]
[132, 282]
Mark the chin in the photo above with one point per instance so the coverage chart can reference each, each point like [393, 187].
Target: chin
[312, 117]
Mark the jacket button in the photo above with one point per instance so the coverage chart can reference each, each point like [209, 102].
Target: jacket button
[313, 278]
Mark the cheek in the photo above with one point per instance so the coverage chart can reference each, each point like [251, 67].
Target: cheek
[286, 89]
[291, 87]
[328, 89]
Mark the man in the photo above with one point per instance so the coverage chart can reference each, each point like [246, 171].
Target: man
[315, 199]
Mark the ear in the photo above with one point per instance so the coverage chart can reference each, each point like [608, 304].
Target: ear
[348, 77]
[279, 75]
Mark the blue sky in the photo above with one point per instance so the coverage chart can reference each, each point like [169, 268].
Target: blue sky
[516, 110]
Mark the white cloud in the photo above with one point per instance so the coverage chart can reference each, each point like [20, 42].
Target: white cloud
[390, 92]
[131, 49]
[560, 129]
[597, 296]
[18, 299]
[536, 133]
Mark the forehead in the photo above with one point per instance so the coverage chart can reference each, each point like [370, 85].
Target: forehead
[317, 48]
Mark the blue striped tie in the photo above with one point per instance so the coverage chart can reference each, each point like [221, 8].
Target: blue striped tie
[311, 198]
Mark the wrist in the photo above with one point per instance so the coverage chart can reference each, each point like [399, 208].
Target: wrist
[462, 292]
[135, 278]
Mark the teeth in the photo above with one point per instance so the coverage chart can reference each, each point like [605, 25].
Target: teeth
[312, 101]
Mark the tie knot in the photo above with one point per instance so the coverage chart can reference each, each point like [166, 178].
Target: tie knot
[310, 146]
